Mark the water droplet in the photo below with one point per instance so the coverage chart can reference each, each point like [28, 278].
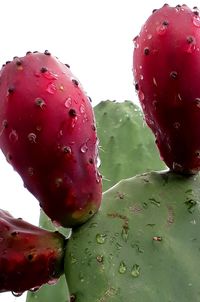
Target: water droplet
[74, 121]
[197, 102]
[197, 153]
[101, 238]
[161, 29]
[52, 282]
[135, 272]
[81, 277]
[13, 136]
[122, 268]
[149, 36]
[68, 102]
[50, 75]
[56, 223]
[34, 289]
[1, 239]
[141, 95]
[58, 182]
[32, 137]
[177, 167]
[196, 20]
[154, 82]
[51, 88]
[82, 109]
[141, 77]
[67, 149]
[84, 148]
[17, 294]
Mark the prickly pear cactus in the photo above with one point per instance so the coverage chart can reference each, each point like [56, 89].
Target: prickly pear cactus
[143, 245]
[126, 148]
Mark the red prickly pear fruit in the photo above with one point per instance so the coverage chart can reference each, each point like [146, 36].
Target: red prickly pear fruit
[29, 255]
[166, 67]
[48, 135]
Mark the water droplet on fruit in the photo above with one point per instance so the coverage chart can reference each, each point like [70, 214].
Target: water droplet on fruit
[34, 289]
[68, 102]
[98, 162]
[177, 167]
[17, 294]
[196, 20]
[50, 75]
[51, 88]
[101, 238]
[52, 282]
[84, 148]
[32, 137]
[141, 95]
[135, 272]
[154, 82]
[74, 121]
[122, 268]
[82, 109]
[141, 77]
[67, 149]
[13, 136]
[149, 36]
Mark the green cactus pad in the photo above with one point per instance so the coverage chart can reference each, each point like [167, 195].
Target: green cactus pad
[143, 245]
[127, 145]
[127, 148]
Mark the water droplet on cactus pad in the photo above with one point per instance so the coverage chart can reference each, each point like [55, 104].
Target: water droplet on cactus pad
[51, 88]
[135, 272]
[13, 136]
[122, 268]
[17, 294]
[101, 238]
[81, 277]
[84, 148]
[196, 20]
[68, 102]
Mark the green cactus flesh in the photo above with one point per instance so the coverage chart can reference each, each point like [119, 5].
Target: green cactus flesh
[127, 146]
[142, 246]
[126, 149]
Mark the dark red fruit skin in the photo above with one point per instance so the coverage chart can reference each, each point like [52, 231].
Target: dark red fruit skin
[48, 135]
[29, 256]
[166, 67]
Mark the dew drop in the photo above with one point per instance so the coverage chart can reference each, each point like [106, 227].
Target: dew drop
[17, 294]
[51, 88]
[101, 238]
[177, 167]
[141, 77]
[197, 102]
[135, 272]
[68, 102]
[50, 75]
[40, 102]
[74, 121]
[32, 137]
[56, 224]
[84, 148]
[141, 95]
[34, 289]
[196, 20]
[52, 282]
[81, 277]
[122, 268]
[31, 171]
[82, 109]
[149, 36]
[13, 136]
[98, 162]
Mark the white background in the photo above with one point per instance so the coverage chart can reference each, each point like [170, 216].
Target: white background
[94, 37]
